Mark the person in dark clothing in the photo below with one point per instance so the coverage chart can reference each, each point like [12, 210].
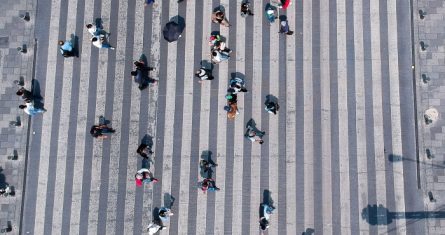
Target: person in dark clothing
[141, 75]
[231, 98]
[204, 74]
[206, 166]
[284, 28]
[272, 107]
[144, 150]
[25, 94]
[245, 9]
[99, 131]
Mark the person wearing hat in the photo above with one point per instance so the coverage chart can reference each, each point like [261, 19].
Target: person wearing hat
[144, 176]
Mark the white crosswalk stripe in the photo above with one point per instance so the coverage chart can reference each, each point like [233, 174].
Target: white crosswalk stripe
[274, 81]
[201, 206]
[343, 118]
[152, 104]
[360, 113]
[308, 127]
[134, 126]
[101, 92]
[115, 152]
[63, 133]
[81, 133]
[248, 181]
[187, 138]
[397, 147]
[47, 121]
[325, 79]
[290, 104]
[380, 165]
[238, 137]
[255, 157]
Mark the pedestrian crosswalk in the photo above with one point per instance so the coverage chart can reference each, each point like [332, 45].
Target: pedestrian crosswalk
[338, 80]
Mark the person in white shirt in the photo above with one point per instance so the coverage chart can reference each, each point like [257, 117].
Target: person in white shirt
[31, 110]
[100, 42]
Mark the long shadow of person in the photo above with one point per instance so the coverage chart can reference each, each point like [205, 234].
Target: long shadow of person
[98, 23]
[37, 97]
[75, 42]
[207, 65]
[206, 164]
[3, 183]
[168, 200]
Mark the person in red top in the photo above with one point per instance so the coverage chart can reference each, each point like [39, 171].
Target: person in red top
[144, 176]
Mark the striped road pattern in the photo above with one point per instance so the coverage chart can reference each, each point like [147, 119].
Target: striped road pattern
[343, 81]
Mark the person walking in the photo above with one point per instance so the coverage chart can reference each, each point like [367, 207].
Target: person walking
[284, 28]
[144, 150]
[209, 185]
[99, 131]
[219, 17]
[93, 30]
[101, 41]
[236, 85]
[219, 56]
[66, 48]
[271, 13]
[206, 166]
[144, 176]
[25, 94]
[165, 213]
[29, 109]
[148, 2]
[155, 226]
[141, 74]
[272, 107]
[245, 9]
[254, 135]
[204, 74]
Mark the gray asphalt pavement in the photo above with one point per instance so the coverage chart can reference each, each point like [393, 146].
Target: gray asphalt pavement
[331, 158]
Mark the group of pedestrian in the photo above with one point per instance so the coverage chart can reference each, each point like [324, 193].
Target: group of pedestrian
[99, 36]
[218, 49]
[29, 106]
[236, 85]
[208, 184]
[219, 53]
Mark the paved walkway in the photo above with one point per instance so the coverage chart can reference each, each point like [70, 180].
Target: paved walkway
[14, 32]
[431, 65]
[329, 157]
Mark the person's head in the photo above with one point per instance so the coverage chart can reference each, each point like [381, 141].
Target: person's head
[220, 14]
[89, 26]
[61, 42]
[139, 176]
[134, 73]
[214, 53]
[94, 39]
[19, 92]
[22, 106]
[198, 72]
